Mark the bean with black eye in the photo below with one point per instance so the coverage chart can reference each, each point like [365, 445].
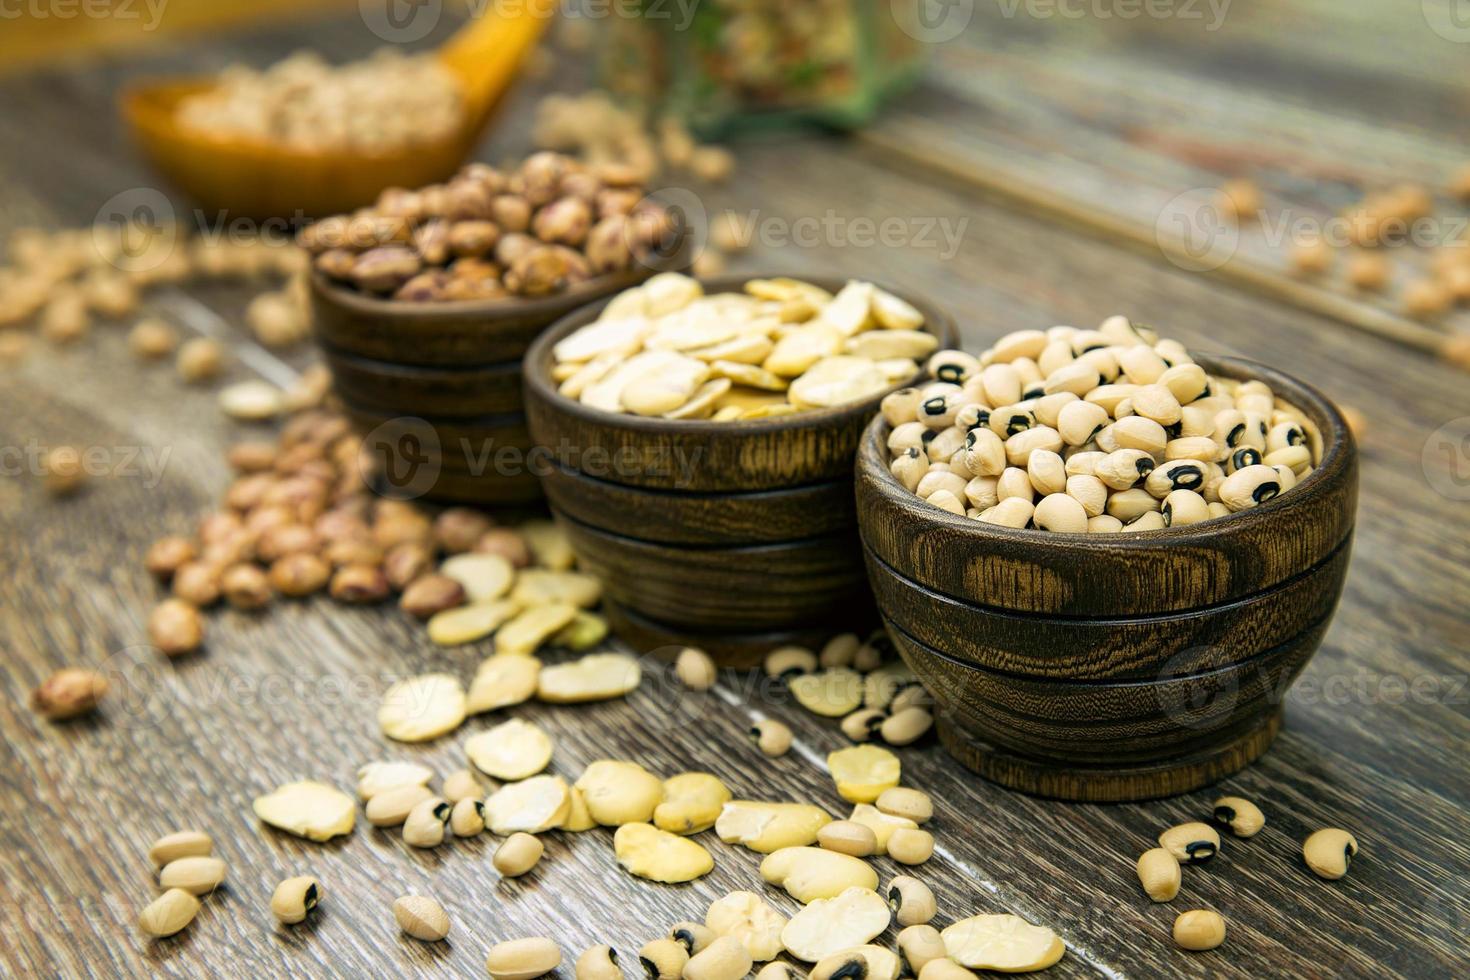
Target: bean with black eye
[985, 453]
[971, 415]
[772, 737]
[1240, 458]
[1183, 507]
[939, 412]
[952, 366]
[1243, 817]
[1002, 384]
[911, 900]
[1157, 402]
[1047, 472]
[981, 492]
[1013, 512]
[1019, 343]
[1022, 445]
[599, 963]
[909, 435]
[663, 959]
[1186, 381]
[936, 480]
[900, 406]
[863, 724]
[1088, 491]
[1079, 421]
[1048, 408]
[693, 936]
[1176, 474]
[1141, 365]
[909, 468]
[1283, 435]
[1008, 420]
[1196, 421]
[1191, 843]
[1287, 475]
[788, 661]
[1123, 469]
[1077, 377]
[1250, 486]
[1014, 482]
[1104, 361]
[1061, 513]
[1218, 509]
[1329, 852]
[1083, 462]
[1104, 524]
[944, 444]
[947, 501]
[1255, 431]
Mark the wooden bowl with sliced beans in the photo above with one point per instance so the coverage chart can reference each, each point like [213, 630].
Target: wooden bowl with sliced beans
[735, 536]
[1123, 666]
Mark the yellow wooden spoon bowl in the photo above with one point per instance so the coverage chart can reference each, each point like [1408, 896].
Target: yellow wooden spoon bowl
[249, 178]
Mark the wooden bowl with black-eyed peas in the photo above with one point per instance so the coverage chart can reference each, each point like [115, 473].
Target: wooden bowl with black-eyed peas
[733, 535]
[1114, 666]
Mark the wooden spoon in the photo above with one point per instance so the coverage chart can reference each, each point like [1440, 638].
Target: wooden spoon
[255, 179]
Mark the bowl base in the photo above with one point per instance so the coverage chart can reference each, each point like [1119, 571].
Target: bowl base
[1124, 784]
[728, 648]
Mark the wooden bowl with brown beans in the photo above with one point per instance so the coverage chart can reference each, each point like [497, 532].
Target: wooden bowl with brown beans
[1109, 667]
[457, 367]
[732, 536]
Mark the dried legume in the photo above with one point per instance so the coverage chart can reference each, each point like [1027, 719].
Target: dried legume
[1199, 929]
[1329, 852]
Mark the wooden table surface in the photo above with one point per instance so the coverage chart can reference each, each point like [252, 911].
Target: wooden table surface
[1376, 729]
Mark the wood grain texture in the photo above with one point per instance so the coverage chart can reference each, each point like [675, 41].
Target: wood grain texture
[1375, 728]
[401, 389]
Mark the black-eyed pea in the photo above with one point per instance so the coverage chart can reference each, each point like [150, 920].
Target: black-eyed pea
[900, 406]
[1108, 397]
[938, 411]
[1129, 505]
[294, 899]
[772, 737]
[424, 826]
[1157, 402]
[1255, 430]
[1049, 408]
[1014, 512]
[920, 946]
[839, 651]
[1218, 509]
[1018, 343]
[1159, 874]
[663, 959]
[724, 959]
[1141, 365]
[467, 817]
[1002, 383]
[392, 806]
[1079, 421]
[910, 696]
[1250, 486]
[462, 785]
[1082, 461]
[598, 963]
[1296, 458]
[695, 936]
[912, 804]
[1010, 420]
[1202, 448]
[947, 500]
[910, 435]
[952, 366]
[421, 917]
[197, 875]
[789, 661]
[1240, 458]
[695, 670]
[1191, 843]
[1284, 434]
[848, 837]
[169, 913]
[1178, 474]
[1172, 351]
[1020, 446]
[1104, 524]
[1186, 381]
[522, 959]
[909, 468]
[936, 480]
[906, 726]
[1198, 930]
[1288, 477]
[1243, 817]
[863, 724]
[868, 657]
[1061, 513]
[868, 962]
[1152, 521]
[1124, 468]
[944, 968]
[1183, 507]
[1330, 852]
[982, 492]
[1014, 482]
[974, 413]
[182, 844]
[1196, 420]
[909, 845]
[944, 445]
[1047, 472]
[518, 854]
[984, 453]
[1107, 440]
[1137, 432]
[1078, 377]
[911, 900]
[1090, 492]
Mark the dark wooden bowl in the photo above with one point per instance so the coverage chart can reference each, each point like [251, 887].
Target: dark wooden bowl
[1113, 666]
[734, 536]
[455, 365]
